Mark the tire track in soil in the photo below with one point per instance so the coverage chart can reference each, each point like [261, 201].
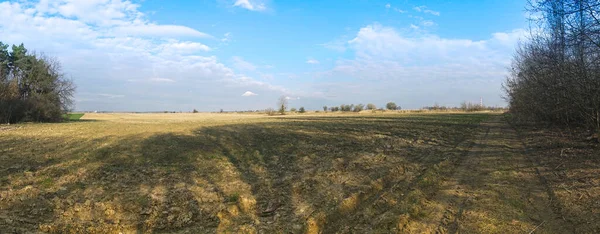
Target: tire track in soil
[557, 206]
[496, 188]
[450, 221]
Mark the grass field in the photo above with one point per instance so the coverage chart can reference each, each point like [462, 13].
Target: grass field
[313, 173]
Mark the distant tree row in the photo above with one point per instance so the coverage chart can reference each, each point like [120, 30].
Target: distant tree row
[32, 87]
[299, 110]
[282, 106]
[359, 107]
[464, 106]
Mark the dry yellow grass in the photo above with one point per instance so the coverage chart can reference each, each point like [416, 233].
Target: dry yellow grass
[249, 173]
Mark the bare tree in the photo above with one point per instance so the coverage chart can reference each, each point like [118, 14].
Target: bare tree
[282, 104]
[555, 76]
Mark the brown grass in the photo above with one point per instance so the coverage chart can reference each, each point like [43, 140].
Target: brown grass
[247, 173]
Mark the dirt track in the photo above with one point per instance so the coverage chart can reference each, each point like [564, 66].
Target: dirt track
[496, 188]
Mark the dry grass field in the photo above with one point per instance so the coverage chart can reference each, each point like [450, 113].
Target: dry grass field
[250, 173]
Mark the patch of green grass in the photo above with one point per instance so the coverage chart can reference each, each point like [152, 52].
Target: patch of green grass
[233, 198]
[143, 200]
[47, 182]
[73, 116]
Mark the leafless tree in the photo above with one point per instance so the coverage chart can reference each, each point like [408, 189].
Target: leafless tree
[555, 75]
[282, 104]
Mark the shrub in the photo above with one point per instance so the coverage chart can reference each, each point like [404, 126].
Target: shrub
[270, 111]
[358, 108]
[346, 108]
[391, 106]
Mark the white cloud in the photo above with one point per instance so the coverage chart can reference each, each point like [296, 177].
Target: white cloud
[103, 44]
[312, 61]
[111, 95]
[226, 37]
[111, 47]
[412, 26]
[162, 80]
[184, 46]
[388, 6]
[436, 13]
[377, 41]
[249, 94]
[250, 5]
[509, 38]
[241, 64]
[338, 45]
[425, 10]
[267, 76]
[154, 30]
[427, 23]
[400, 10]
[409, 65]
[292, 98]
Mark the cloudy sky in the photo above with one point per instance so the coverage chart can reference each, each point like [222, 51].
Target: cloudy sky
[153, 55]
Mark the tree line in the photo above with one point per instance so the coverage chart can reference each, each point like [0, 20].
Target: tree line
[464, 106]
[360, 107]
[32, 87]
[555, 76]
[282, 105]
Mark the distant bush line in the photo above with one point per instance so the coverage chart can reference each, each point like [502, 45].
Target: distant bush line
[391, 106]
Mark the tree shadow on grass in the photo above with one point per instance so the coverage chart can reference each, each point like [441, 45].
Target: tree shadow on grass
[292, 176]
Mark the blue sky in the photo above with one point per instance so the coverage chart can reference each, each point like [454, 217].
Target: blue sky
[158, 55]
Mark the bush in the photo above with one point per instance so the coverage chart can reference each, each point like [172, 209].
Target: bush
[358, 108]
[346, 108]
[371, 106]
[293, 110]
[195, 111]
[302, 110]
[270, 111]
[391, 106]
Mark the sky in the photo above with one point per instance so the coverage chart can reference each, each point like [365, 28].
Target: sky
[180, 55]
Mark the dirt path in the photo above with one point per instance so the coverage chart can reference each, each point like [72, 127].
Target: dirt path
[495, 189]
